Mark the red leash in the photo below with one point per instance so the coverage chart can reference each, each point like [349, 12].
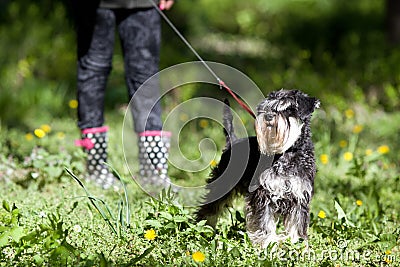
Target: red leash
[220, 82]
[240, 102]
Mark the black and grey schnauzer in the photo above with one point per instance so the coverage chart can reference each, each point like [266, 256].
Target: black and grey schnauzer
[274, 170]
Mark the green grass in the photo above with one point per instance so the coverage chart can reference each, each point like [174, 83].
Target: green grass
[47, 218]
[335, 50]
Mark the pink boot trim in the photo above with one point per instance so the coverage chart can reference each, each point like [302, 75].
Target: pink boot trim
[101, 129]
[86, 143]
[155, 133]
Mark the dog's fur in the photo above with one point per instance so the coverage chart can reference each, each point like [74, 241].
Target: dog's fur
[274, 170]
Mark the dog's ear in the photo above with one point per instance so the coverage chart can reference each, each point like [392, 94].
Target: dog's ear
[315, 102]
[307, 105]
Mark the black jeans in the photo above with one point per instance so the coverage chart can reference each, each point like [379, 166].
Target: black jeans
[139, 31]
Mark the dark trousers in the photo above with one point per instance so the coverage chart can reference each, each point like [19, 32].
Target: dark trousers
[139, 32]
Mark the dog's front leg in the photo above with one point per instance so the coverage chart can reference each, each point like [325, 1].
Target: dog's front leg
[296, 223]
[261, 224]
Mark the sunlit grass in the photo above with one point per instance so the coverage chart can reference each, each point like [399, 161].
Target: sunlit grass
[353, 213]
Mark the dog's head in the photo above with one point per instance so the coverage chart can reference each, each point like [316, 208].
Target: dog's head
[280, 119]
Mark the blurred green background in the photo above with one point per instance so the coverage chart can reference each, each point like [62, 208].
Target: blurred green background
[343, 52]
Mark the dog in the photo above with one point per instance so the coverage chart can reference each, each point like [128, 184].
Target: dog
[273, 170]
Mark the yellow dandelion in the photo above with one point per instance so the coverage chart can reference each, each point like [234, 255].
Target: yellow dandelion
[324, 159]
[203, 123]
[73, 103]
[349, 113]
[60, 135]
[46, 128]
[150, 234]
[357, 128]
[383, 149]
[29, 136]
[39, 133]
[388, 252]
[322, 214]
[198, 256]
[343, 143]
[213, 163]
[387, 260]
[368, 152]
[359, 202]
[348, 156]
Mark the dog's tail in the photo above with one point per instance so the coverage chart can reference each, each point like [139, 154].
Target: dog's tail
[228, 124]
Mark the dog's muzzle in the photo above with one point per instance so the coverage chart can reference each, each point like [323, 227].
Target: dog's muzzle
[271, 125]
[276, 133]
[267, 123]
[269, 117]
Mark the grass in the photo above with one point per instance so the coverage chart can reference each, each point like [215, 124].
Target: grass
[49, 218]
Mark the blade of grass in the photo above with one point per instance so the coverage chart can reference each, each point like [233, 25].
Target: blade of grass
[121, 214]
[141, 256]
[93, 201]
[127, 209]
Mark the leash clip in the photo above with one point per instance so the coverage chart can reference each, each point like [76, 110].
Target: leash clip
[221, 83]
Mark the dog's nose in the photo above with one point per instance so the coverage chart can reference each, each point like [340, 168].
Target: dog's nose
[269, 116]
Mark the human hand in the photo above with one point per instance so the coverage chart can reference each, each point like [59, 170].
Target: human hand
[166, 4]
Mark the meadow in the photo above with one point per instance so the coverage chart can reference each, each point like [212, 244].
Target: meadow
[334, 50]
[47, 218]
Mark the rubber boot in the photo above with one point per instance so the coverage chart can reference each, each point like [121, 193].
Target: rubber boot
[94, 142]
[153, 158]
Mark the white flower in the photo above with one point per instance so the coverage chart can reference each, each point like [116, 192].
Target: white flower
[42, 214]
[77, 228]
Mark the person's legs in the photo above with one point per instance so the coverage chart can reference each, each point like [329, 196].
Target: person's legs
[140, 32]
[95, 50]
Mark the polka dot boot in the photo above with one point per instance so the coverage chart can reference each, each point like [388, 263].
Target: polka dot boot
[94, 142]
[153, 157]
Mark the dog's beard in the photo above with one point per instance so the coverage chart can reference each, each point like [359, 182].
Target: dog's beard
[278, 135]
